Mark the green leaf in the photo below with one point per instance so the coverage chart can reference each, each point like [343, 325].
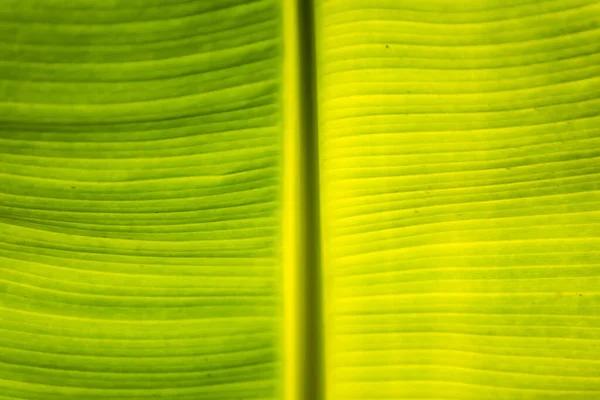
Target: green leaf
[140, 178]
[299, 200]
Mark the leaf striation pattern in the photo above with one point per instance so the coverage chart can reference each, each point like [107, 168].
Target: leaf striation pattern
[460, 145]
[140, 152]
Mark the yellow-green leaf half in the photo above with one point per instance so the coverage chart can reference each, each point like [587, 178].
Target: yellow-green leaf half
[459, 166]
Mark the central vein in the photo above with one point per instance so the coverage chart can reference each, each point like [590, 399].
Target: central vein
[302, 274]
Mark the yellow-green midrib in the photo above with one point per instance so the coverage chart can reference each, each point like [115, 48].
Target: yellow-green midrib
[459, 167]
